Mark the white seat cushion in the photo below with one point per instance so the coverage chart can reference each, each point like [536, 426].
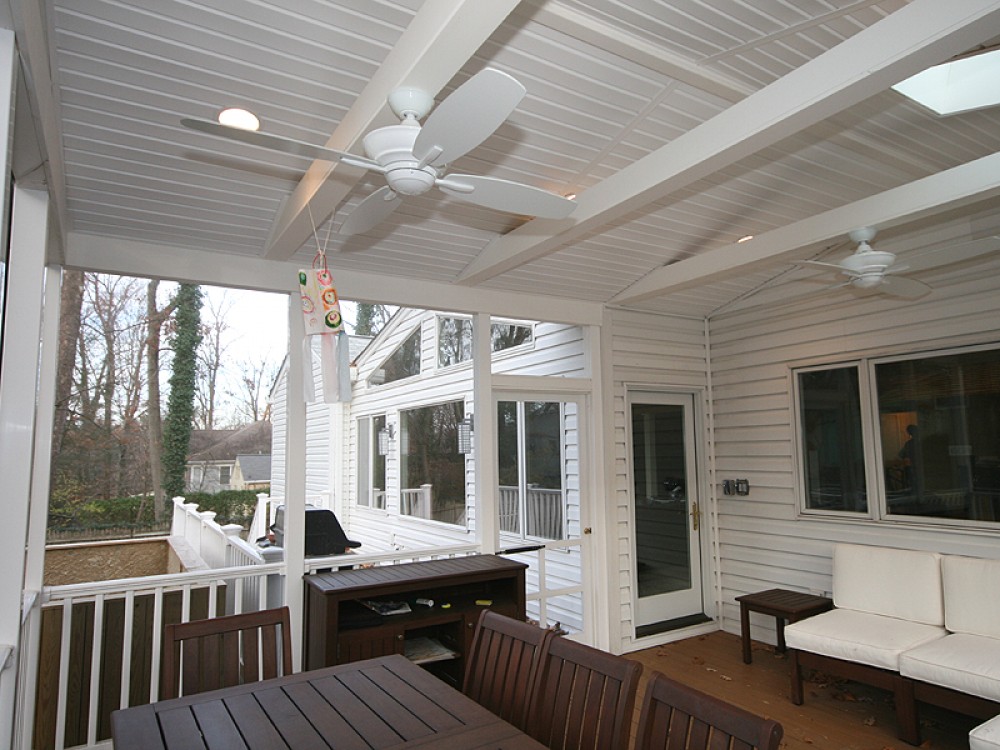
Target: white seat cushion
[986, 736]
[967, 663]
[860, 637]
[900, 583]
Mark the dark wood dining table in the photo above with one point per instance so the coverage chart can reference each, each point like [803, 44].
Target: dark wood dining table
[387, 702]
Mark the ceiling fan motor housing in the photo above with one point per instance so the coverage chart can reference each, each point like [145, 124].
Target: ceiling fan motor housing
[392, 148]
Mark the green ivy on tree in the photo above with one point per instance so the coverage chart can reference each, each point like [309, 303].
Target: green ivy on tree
[180, 402]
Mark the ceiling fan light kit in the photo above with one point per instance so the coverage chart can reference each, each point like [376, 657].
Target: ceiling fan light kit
[414, 157]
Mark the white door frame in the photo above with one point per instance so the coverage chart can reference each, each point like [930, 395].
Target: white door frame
[693, 397]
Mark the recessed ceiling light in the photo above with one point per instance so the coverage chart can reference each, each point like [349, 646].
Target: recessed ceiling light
[234, 117]
[745, 238]
[958, 86]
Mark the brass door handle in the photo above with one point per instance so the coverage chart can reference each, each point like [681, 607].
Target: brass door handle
[695, 516]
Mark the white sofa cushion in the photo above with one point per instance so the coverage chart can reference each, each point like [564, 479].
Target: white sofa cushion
[860, 637]
[905, 584]
[986, 736]
[967, 607]
[967, 663]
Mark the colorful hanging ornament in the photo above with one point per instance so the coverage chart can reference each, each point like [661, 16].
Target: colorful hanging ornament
[322, 317]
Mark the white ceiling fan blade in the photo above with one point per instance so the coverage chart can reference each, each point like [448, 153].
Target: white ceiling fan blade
[277, 143]
[467, 117]
[371, 211]
[504, 195]
[958, 253]
[904, 287]
[820, 264]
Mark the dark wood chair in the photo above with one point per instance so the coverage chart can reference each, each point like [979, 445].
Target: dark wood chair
[676, 716]
[502, 665]
[225, 651]
[583, 699]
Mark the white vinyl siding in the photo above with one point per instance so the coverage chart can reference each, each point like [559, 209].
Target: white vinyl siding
[764, 542]
[648, 352]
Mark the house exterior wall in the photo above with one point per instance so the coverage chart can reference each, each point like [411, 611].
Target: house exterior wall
[764, 541]
[652, 353]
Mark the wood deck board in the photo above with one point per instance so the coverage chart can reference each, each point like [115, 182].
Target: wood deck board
[836, 715]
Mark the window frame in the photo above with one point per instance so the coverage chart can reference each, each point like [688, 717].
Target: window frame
[400, 432]
[367, 449]
[494, 354]
[415, 331]
[878, 510]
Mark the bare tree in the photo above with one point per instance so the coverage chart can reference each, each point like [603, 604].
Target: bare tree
[255, 377]
[155, 318]
[70, 305]
[211, 359]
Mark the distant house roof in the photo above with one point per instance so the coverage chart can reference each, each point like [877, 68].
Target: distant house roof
[255, 468]
[254, 438]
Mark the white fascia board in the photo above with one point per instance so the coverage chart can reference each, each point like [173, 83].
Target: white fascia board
[150, 260]
[914, 37]
[437, 44]
[928, 196]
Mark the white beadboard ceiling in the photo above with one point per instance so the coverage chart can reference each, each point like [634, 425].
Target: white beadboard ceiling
[611, 85]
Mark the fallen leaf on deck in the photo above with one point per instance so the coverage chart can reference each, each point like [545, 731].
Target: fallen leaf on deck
[726, 677]
[869, 722]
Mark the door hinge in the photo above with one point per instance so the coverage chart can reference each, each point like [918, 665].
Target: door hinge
[695, 515]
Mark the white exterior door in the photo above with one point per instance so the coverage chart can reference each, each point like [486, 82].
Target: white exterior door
[666, 508]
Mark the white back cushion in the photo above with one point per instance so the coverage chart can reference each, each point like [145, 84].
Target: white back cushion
[893, 582]
[972, 595]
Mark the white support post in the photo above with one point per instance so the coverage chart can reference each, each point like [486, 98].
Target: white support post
[484, 435]
[18, 390]
[295, 476]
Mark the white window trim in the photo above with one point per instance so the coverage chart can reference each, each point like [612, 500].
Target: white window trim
[871, 442]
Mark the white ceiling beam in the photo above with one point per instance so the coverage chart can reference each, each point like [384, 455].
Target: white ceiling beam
[152, 260]
[968, 183]
[627, 46]
[919, 35]
[442, 37]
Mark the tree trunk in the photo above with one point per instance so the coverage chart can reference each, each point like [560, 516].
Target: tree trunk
[154, 427]
[69, 333]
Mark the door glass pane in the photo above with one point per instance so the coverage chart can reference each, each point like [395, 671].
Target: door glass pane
[661, 513]
[507, 429]
[377, 463]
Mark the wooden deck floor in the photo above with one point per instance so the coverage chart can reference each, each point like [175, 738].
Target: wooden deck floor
[836, 715]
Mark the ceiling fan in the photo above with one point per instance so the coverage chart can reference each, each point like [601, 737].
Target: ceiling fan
[414, 158]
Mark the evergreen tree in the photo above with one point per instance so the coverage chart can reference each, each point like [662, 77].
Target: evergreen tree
[183, 386]
[371, 318]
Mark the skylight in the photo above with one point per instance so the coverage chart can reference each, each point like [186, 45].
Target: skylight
[958, 86]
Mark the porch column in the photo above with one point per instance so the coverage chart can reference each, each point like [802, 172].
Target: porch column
[484, 434]
[18, 390]
[299, 358]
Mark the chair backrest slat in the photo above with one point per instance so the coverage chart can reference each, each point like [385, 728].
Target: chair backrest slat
[502, 663]
[584, 698]
[677, 717]
[223, 651]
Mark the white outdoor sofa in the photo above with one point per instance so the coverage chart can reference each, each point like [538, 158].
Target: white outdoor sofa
[923, 625]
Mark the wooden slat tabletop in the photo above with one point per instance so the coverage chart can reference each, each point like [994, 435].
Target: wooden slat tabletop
[380, 703]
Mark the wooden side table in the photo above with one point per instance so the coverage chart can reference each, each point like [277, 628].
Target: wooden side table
[783, 605]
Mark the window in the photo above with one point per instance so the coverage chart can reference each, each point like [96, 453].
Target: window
[372, 462]
[225, 474]
[529, 448]
[402, 363]
[937, 432]
[832, 449]
[432, 471]
[455, 339]
[939, 424]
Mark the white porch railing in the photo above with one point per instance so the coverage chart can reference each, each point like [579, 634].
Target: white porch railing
[220, 546]
[105, 640]
[543, 512]
[416, 502]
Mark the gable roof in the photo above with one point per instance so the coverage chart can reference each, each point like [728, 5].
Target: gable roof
[255, 468]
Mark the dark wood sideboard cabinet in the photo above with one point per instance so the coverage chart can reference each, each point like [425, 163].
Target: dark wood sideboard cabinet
[342, 626]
